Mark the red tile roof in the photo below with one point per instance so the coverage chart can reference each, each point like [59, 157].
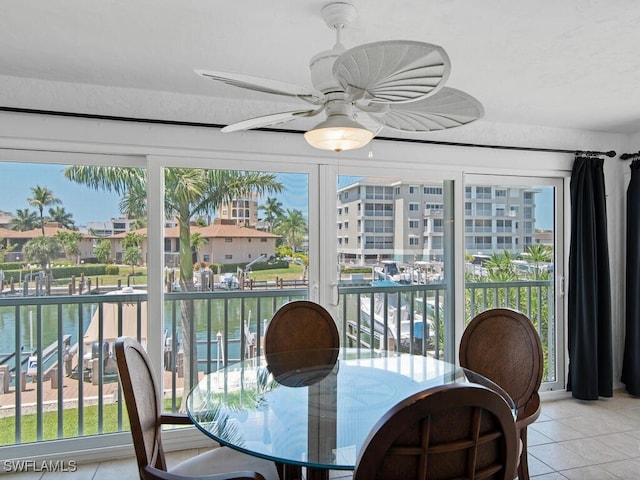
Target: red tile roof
[211, 231]
[49, 231]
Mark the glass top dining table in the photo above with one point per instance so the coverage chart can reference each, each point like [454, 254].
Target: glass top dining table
[313, 408]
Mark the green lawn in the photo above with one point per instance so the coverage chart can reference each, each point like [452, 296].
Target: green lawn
[69, 423]
[292, 273]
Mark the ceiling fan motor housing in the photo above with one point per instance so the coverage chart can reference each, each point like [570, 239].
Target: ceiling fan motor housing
[337, 15]
[321, 67]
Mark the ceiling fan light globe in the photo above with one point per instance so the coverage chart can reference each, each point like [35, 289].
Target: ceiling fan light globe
[338, 133]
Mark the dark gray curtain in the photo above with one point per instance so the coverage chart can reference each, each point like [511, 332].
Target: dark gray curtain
[590, 338]
[631, 358]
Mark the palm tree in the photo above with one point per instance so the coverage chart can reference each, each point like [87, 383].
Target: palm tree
[132, 256]
[501, 267]
[69, 242]
[139, 223]
[5, 248]
[132, 239]
[61, 216]
[42, 250]
[197, 241]
[102, 250]
[24, 220]
[133, 252]
[189, 193]
[42, 197]
[292, 227]
[538, 255]
[272, 211]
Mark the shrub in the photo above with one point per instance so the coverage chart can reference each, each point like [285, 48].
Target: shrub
[233, 267]
[112, 270]
[69, 271]
[12, 265]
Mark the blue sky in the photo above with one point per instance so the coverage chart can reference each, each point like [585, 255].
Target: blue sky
[16, 181]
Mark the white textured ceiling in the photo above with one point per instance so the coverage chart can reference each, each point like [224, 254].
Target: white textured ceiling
[568, 64]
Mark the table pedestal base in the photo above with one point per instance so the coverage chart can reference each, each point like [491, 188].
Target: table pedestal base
[294, 472]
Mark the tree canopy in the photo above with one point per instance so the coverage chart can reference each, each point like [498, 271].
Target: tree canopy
[42, 197]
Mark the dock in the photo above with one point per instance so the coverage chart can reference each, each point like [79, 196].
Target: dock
[70, 394]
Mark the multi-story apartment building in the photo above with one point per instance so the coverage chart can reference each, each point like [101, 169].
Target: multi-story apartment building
[499, 219]
[108, 228]
[6, 219]
[243, 210]
[397, 219]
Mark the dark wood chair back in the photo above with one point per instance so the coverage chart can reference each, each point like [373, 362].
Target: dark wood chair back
[142, 398]
[503, 345]
[446, 432]
[301, 344]
[301, 325]
[144, 408]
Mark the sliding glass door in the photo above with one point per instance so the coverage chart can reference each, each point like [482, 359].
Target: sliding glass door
[514, 250]
[395, 261]
[236, 245]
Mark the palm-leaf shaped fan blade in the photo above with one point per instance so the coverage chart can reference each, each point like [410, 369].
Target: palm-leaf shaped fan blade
[264, 85]
[392, 71]
[269, 120]
[447, 108]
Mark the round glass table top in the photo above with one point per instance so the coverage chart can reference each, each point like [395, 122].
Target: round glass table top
[313, 408]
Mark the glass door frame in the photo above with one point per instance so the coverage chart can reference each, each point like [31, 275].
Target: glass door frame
[451, 180]
[155, 195]
[561, 253]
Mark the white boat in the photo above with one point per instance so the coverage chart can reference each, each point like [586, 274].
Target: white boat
[395, 315]
[388, 270]
[228, 281]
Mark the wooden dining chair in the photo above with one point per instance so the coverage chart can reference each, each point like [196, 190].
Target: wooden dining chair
[446, 432]
[504, 346]
[296, 327]
[144, 408]
[301, 325]
[301, 336]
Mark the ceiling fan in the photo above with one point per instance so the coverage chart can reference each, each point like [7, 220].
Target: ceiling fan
[397, 84]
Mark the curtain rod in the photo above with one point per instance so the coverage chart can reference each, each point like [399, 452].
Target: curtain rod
[630, 156]
[610, 153]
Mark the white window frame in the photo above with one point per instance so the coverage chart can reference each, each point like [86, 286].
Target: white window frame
[559, 180]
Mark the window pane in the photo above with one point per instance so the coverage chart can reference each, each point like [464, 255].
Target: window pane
[399, 256]
[511, 264]
[227, 274]
[60, 240]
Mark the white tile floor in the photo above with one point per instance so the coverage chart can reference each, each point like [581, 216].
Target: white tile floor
[572, 439]
[581, 440]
